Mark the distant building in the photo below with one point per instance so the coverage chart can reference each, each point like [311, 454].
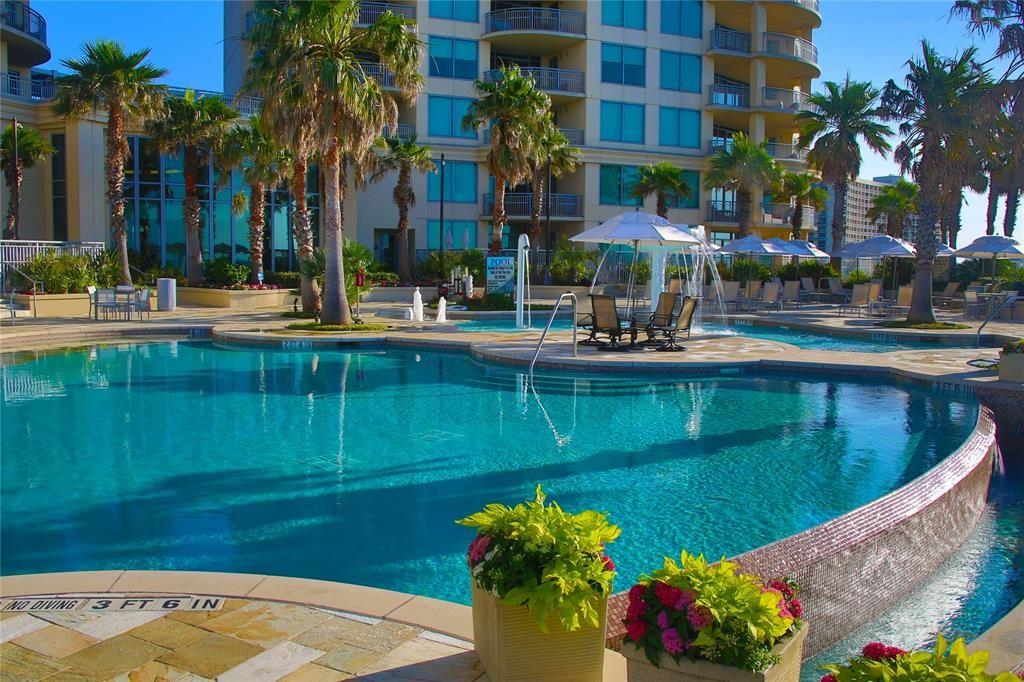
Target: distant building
[858, 202]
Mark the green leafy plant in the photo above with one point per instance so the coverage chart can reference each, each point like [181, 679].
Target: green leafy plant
[805, 268]
[749, 270]
[284, 279]
[710, 611]
[317, 327]
[890, 664]
[570, 265]
[544, 558]
[1013, 347]
[856, 277]
[221, 272]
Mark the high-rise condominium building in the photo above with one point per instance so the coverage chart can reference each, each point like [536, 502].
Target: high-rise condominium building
[859, 198]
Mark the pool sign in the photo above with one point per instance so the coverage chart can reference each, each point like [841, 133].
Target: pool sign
[179, 602]
[501, 274]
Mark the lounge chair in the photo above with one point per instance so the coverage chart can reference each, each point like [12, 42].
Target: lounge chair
[608, 322]
[790, 294]
[662, 316]
[947, 297]
[770, 296]
[860, 300]
[809, 292]
[901, 306]
[836, 291]
[752, 296]
[973, 305]
[730, 294]
[683, 323]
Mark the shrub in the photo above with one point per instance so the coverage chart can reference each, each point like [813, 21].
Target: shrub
[62, 273]
[1013, 347]
[107, 267]
[431, 267]
[284, 279]
[746, 270]
[539, 556]
[891, 664]
[711, 612]
[805, 268]
[572, 266]
[221, 272]
[905, 268]
[856, 277]
[492, 301]
[475, 262]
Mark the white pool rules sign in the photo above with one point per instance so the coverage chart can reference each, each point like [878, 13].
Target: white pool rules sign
[501, 274]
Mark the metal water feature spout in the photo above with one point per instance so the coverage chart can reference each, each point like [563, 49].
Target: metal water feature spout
[523, 283]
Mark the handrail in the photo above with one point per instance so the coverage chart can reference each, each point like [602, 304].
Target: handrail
[10, 299]
[1009, 299]
[150, 280]
[547, 327]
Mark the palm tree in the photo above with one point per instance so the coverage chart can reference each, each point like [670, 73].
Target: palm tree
[516, 111]
[288, 112]
[1005, 17]
[33, 148]
[402, 156]
[122, 83]
[840, 118]
[197, 127]
[264, 166]
[320, 47]
[743, 167]
[897, 203]
[804, 190]
[942, 103]
[553, 156]
[665, 181]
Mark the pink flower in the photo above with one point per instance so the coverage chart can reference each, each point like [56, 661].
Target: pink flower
[796, 608]
[686, 597]
[672, 642]
[699, 616]
[609, 565]
[829, 678]
[636, 629]
[637, 592]
[783, 611]
[667, 594]
[478, 548]
[636, 609]
[782, 587]
[877, 651]
[663, 620]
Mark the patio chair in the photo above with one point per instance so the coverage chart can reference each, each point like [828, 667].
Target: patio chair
[106, 301]
[790, 294]
[860, 300]
[947, 297]
[91, 290]
[585, 321]
[141, 304]
[752, 297]
[730, 294]
[684, 321]
[770, 296]
[973, 305]
[835, 290]
[808, 292]
[608, 322]
[901, 306]
[662, 315]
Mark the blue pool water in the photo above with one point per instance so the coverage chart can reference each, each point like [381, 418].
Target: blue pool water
[352, 466]
[796, 337]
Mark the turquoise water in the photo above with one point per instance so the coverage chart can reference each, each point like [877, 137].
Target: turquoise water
[352, 466]
[800, 338]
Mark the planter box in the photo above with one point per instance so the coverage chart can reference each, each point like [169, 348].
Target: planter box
[1011, 367]
[790, 650]
[55, 305]
[512, 647]
[235, 298]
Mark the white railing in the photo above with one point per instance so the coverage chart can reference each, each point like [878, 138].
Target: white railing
[16, 252]
[544, 334]
[380, 73]
[547, 79]
[729, 39]
[781, 150]
[782, 214]
[521, 204]
[16, 85]
[728, 95]
[790, 46]
[370, 12]
[573, 135]
[536, 19]
[785, 99]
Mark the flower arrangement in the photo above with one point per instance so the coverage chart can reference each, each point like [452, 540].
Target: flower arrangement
[539, 556]
[878, 661]
[1013, 347]
[710, 611]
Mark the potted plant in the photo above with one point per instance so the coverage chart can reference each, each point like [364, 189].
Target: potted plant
[540, 582]
[880, 662]
[1011, 361]
[695, 620]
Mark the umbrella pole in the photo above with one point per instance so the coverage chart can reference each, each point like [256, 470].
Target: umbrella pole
[593, 282]
[632, 278]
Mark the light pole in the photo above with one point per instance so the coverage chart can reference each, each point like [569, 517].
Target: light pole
[440, 260]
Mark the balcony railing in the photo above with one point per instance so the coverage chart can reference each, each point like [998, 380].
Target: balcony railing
[370, 12]
[573, 135]
[380, 73]
[547, 79]
[785, 99]
[520, 204]
[718, 144]
[781, 150]
[728, 39]
[810, 4]
[403, 131]
[21, 17]
[782, 214]
[536, 19]
[790, 46]
[247, 106]
[722, 212]
[14, 85]
[725, 95]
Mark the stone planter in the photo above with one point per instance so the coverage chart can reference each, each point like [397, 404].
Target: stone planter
[1011, 367]
[512, 647]
[790, 651]
[235, 298]
[55, 305]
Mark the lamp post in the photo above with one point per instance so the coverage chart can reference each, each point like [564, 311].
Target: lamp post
[547, 210]
[440, 260]
[14, 163]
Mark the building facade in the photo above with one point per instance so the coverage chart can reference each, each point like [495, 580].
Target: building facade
[859, 198]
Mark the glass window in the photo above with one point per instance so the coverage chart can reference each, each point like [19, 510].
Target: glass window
[174, 235]
[222, 230]
[681, 17]
[680, 71]
[441, 57]
[149, 161]
[459, 234]
[622, 122]
[679, 127]
[445, 116]
[617, 184]
[466, 59]
[453, 58]
[459, 10]
[149, 230]
[691, 200]
[241, 224]
[459, 180]
[60, 187]
[625, 13]
[280, 234]
[622, 64]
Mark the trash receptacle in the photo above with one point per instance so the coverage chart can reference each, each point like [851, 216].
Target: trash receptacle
[166, 293]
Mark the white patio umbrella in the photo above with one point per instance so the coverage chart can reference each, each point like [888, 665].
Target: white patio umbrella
[800, 248]
[882, 246]
[994, 247]
[639, 229]
[752, 245]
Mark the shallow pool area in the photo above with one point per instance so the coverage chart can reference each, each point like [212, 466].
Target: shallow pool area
[352, 466]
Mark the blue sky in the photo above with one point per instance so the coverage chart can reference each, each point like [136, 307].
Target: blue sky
[870, 39]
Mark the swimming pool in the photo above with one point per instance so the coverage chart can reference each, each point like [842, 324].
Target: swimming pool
[796, 337]
[351, 466]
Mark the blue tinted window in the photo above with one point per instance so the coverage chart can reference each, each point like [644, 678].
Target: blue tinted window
[681, 17]
[459, 182]
[622, 122]
[625, 13]
[691, 200]
[679, 127]
[461, 234]
[459, 10]
[617, 184]
[680, 71]
[466, 59]
[445, 115]
[622, 64]
[452, 58]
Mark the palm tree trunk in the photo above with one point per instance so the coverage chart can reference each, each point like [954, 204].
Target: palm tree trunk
[921, 310]
[1010, 219]
[839, 219]
[890, 225]
[955, 219]
[402, 193]
[256, 230]
[536, 209]
[335, 304]
[797, 221]
[303, 232]
[744, 199]
[190, 216]
[661, 205]
[14, 178]
[117, 150]
[993, 206]
[498, 218]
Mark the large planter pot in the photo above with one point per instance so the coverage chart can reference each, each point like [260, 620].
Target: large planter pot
[235, 298]
[1011, 367]
[55, 305]
[512, 647]
[790, 651]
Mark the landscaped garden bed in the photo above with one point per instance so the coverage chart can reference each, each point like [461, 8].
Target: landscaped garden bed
[243, 299]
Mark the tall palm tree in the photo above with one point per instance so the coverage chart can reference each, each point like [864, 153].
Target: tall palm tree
[288, 112]
[403, 156]
[743, 167]
[264, 166]
[803, 189]
[665, 181]
[1005, 17]
[320, 47]
[943, 101]
[107, 77]
[839, 119]
[897, 203]
[33, 148]
[516, 111]
[553, 156]
[196, 127]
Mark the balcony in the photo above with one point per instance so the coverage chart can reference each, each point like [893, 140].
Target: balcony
[246, 106]
[573, 135]
[520, 205]
[725, 95]
[779, 215]
[722, 212]
[730, 41]
[565, 82]
[534, 31]
[381, 74]
[785, 100]
[786, 152]
[24, 32]
[403, 131]
[718, 144]
[370, 12]
[790, 46]
[27, 89]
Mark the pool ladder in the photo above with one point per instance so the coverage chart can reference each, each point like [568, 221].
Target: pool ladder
[551, 319]
[1008, 300]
